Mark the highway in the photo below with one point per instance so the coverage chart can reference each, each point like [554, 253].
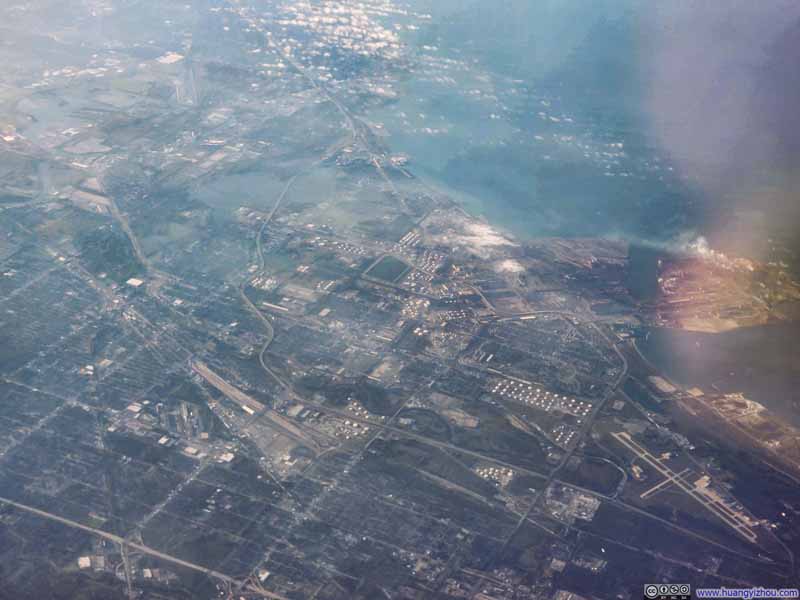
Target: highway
[122, 542]
[261, 266]
[587, 425]
[267, 221]
[120, 217]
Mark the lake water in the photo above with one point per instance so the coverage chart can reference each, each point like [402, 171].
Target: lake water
[537, 120]
[533, 118]
[761, 362]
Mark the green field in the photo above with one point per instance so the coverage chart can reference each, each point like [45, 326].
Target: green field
[388, 269]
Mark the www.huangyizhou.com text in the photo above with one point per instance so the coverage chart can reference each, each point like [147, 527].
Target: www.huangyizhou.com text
[747, 593]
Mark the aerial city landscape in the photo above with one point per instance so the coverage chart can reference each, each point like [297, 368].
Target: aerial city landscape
[356, 299]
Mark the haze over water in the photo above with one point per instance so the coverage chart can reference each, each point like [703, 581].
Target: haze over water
[608, 118]
[654, 124]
